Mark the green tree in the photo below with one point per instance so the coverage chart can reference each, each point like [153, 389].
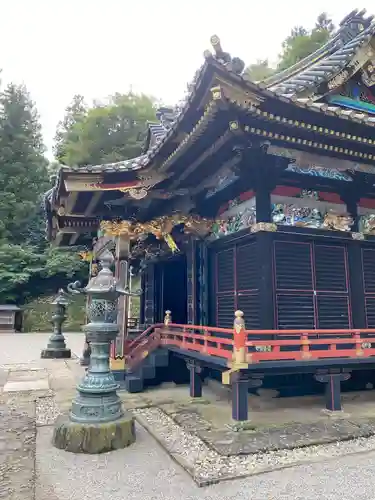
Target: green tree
[259, 71]
[23, 167]
[301, 43]
[109, 132]
[66, 132]
[28, 265]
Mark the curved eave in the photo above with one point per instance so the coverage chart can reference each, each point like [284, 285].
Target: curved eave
[306, 103]
[309, 79]
[328, 48]
[246, 87]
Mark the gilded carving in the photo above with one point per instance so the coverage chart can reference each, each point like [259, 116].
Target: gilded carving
[337, 222]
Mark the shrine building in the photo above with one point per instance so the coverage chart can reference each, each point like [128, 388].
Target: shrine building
[251, 196]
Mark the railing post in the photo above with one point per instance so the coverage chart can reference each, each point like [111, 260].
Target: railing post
[239, 339]
[205, 341]
[167, 318]
[305, 343]
[358, 344]
[239, 380]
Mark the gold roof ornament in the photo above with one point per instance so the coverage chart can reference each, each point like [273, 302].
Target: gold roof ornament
[159, 227]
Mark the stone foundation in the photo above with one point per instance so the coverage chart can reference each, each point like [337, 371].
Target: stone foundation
[93, 438]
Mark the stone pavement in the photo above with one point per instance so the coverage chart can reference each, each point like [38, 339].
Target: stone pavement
[144, 470]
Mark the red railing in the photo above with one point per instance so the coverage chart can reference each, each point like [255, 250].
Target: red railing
[141, 346]
[206, 342]
[225, 343]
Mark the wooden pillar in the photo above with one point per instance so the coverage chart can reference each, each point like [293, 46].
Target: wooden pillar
[264, 249]
[240, 396]
[351, 196]
[195, 379]
[149, 292]
[142, 301]
[333, 388]
[191, 282]
[263, 202]
[122, 276]
[202, 283]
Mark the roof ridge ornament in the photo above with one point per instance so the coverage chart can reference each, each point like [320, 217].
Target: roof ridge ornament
[234, 64]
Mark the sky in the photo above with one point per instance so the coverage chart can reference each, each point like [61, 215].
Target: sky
[59, 48]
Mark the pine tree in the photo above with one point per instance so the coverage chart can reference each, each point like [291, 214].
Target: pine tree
[23, 168]
[301, 43]
[27, 264]
[108, 132]
[75, 113]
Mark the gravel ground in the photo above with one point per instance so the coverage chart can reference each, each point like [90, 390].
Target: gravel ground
[207, 466]
[17, 450]
[145, 472]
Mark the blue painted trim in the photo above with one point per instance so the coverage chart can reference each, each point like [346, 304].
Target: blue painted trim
[347, 102]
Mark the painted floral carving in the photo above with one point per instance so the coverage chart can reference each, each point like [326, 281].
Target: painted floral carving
[290, 215]
[367, 224]
[241, 220]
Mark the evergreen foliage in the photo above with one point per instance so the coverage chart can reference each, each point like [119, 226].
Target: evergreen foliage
[28, 265]
[298, 45]
[104, 133]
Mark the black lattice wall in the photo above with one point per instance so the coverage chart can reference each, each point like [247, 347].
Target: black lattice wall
[368, 269]
[236, 274]
[311, 284]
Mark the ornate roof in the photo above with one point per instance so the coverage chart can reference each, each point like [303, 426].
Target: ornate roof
[354, 32]
[296, 86]
[119, 166]
[156, 131]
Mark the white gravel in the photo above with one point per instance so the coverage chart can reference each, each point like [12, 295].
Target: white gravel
[203, 463]
[206, 465]
[46, 411]
[144, 471]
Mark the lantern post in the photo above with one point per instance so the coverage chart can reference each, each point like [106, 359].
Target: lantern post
[56, 347]
[97, 422]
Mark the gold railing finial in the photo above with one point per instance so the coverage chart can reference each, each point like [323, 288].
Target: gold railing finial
[167, 317]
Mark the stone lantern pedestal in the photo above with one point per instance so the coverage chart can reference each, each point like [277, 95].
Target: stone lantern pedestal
[97, 422]
[56, 347]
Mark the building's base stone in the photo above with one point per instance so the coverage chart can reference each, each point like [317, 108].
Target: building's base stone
[93, 438]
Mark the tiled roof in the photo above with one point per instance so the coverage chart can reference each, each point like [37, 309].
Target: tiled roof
[157, 130]
[347, 38]
[354, 32]
[119, 166]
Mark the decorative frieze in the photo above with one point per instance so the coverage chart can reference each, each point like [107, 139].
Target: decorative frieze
[235, 223]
